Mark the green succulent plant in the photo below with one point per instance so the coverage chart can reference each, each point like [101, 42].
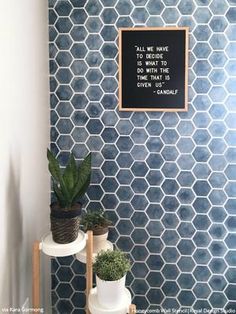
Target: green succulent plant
[95, 219]
[111, 265]
[71, 183]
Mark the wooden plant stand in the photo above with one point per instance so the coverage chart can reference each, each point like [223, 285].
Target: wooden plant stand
[39, 246]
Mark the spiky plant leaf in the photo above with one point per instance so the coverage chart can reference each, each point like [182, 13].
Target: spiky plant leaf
[71, 184]
[59, 195]
[74, 168]
[56, 173]
[82, 191]
[54, 167]
[68, 175]
[84, 175]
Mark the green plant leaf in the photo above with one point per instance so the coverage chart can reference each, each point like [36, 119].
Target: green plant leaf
[68, 175]
[74, 168]
[94, 219]
[56, 173]
[83, 190]
[71, 183]
[111, 265]
[84, 176]
[54, 167]
[59, 195]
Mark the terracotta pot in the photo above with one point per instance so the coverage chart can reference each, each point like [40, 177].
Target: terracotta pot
[65, 223]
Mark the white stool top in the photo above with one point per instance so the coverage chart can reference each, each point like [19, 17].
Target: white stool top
[51, 248]
[96, 308]
[81, 256]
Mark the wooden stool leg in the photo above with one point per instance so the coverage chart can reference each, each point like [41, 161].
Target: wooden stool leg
[132, 309]
[36, 275]
[89, 266]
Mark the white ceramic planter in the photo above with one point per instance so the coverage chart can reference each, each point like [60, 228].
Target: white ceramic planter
[96, 308]
[110, 294]
[100, 243]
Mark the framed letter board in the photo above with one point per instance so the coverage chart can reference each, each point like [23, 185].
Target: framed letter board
[153, 69]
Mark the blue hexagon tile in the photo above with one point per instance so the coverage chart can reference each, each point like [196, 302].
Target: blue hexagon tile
[167, 180]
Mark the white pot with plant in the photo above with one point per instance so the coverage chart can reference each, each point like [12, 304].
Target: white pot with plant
[96, 221]
[110, 268]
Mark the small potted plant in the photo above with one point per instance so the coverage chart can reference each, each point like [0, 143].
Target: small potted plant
[110, 268]
[69, 185]
[97, 221]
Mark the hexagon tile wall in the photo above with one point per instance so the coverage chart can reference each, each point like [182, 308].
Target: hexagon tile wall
[168, 180]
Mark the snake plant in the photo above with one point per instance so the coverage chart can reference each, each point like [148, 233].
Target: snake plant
[71, 183]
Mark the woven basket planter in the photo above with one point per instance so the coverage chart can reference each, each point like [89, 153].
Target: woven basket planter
[65, 223]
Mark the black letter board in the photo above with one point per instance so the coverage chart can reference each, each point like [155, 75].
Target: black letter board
[153, 69]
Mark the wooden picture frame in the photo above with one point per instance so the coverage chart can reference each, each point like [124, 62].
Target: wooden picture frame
[153, 69]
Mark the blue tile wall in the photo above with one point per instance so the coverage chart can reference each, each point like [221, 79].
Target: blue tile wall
[167, 180]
